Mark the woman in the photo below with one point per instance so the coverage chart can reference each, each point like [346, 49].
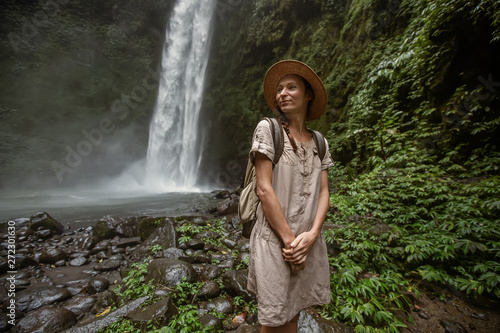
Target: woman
[288, 268]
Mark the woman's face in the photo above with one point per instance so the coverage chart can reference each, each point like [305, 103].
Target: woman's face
[291, 94]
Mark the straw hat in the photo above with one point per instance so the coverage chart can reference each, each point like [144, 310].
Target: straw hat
[316, 107]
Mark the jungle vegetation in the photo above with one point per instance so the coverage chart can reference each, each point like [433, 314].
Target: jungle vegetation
[412, 123]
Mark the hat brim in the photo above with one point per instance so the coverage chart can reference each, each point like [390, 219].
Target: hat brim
[274, 74]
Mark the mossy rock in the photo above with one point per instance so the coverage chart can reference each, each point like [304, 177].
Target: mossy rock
[110, 226]
[148, 225]
[44, 221]
[101, 231]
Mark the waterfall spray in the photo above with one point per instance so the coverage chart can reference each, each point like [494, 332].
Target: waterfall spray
[174, 150]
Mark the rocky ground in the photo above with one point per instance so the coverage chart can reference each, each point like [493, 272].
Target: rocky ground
[66, 280]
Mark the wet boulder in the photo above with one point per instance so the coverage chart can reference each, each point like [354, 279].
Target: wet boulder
[209, 272]
[80, 305]
[210, 289]
[200, 258]
[159, 314]
[164, 236]
[19, 223]
[22, 283]
[221, 305]
[47, 319]
[173, 253]
[195, 244]
[43, 234]
[148, 225]
[247, 329]
[127, 242]
[235, 282]
[23, 275]
[106, 320]
[108, 265]
[210, 320]
[228, 206]
[97, 285]
[236, 223]
[43, 221]
[4, 322]
[208, 234]
[105, 299]
[223, 260]
[117, 250]
[170, 271]
[52, 255]
[307, 323]
[101, 246]
[35, 297]
[101, 255]
[78, 261]
[229, 243]
[243, 245]
[222, 194]
[110, 226]
[245, 257]
[4, 266]
[23, 260]
[451, 326]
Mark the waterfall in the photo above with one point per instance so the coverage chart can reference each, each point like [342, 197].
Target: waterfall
[174, 149]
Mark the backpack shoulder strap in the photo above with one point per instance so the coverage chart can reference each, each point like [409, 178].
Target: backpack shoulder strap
[319, 140]
[278, 138]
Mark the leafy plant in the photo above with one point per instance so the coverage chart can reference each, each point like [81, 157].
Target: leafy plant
[186, 322]
[155, 248]
[121, 326]
[133, 285]
[188, 318]
[186, 291]
[243, 305]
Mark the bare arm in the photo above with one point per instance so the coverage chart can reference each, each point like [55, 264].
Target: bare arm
[270, 204]
[301, 246]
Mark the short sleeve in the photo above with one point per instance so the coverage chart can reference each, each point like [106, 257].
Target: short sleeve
[327, 161]
[262, 141]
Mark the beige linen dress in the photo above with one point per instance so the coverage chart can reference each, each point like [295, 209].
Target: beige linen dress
[282, 294]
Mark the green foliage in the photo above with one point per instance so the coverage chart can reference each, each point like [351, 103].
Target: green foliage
[184, 295]
[121, 326]
[418, 192]
[217, 226]
[410, 122]
[416, 219]
[155, 248]
[397, 103]
[188, 318]
[188, 230]
[243, 305]
[186, 322]
[241, 264]
[133, 285]
[367, 284]
[186, 291]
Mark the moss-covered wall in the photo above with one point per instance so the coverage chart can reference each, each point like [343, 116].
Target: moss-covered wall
[399, 74]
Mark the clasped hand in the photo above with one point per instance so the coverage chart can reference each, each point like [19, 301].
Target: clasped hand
[296, 253]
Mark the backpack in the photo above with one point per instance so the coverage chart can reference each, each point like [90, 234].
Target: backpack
[249, 200]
